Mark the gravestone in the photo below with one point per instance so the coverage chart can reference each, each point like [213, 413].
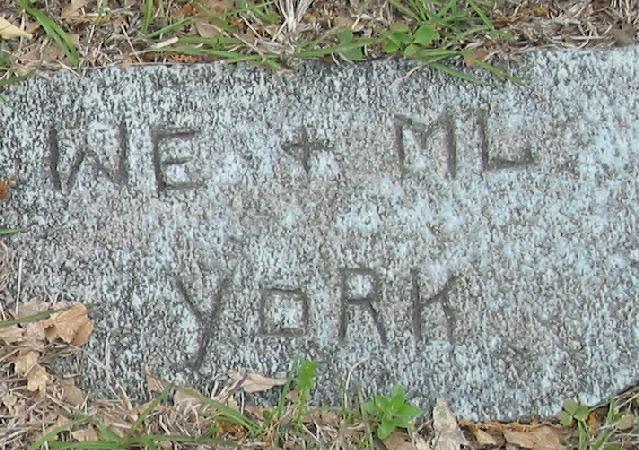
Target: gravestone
[477, 242]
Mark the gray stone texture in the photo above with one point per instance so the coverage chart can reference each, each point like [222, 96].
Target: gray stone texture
[474, 242]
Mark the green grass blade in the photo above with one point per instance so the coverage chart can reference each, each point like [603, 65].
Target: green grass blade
[233, 416]
[42, 315]
[189, 439]
[86, 445]
[13, 79]
[213, 42]
[171, 28]
[54, 30]
[51, 435]
[10, 231]
[484, 18]
[148, 17]
[473, 4]
[499, 72]
[359, 43]
[153, 404]
[454, 72]
[399, 6]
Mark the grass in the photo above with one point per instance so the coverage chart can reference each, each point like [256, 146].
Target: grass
[9, 231]
[446, 35]
[53, 29]
[184, 418]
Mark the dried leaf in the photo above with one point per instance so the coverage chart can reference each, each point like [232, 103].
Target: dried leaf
[32, 307]
[627, 422]
[11, 334]
[624, 35]
[542, 438]
[448, 435]
[68, 324]
[34, 332]
[322, 416]
[25, 362]
[10, 31]
[253, 382]
[189, 399]
[594, 422]
[37, 379]
[5, 186]
[153, 383]
[72, 394]
[84, 333]
[9, 400]
[402, 441]
[217, 7]
[87, 434]
[484, 438]
[72, 8]
[206, 29]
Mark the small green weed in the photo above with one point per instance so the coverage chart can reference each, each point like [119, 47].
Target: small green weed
[436, 31]
[602, 438]
[573, 412]
[389, 413]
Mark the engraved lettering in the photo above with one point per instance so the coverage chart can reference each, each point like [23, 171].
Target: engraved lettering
[440, 297]
[445, 157]
[490, 162]
[359, 299]
[161, 164]
[304, 147]
[118, 175]
[207, 320]
[283, 312]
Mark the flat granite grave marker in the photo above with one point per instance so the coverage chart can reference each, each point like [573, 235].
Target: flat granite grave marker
[479, 243]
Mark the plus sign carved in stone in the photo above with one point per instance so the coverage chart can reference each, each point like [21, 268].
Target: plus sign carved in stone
[303, 148]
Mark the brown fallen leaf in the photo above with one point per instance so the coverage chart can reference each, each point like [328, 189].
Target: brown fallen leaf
[25, 361]
[84, 333]
[33, 331]
[205, 29]
[190, 399]
[624, 35]
[253, 382]
[9, 400]
[627, 422]
[6, 185]
[10, 31]
[11, 334]
[594, 422]
[32, 307]
[541, 438]
[68, 324]
[403, 441]
[72, 394]
[88, 434]
[37, 379]
[153, 383]
[72, 8]
[216, 7]
[448, 436]
[484, 438]
[322, 416]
